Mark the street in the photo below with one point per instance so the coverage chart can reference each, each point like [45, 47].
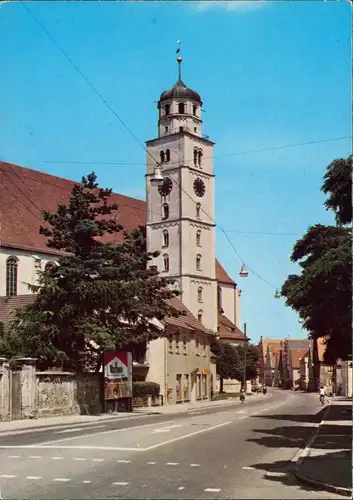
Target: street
[234, 451]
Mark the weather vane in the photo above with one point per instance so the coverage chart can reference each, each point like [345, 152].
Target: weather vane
[179, 59]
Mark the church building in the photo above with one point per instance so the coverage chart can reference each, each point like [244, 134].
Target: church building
[178, 220]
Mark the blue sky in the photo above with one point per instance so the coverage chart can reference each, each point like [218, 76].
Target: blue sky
[269, 73]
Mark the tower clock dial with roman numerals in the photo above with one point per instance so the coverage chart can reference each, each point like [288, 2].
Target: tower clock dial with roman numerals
[199, 187]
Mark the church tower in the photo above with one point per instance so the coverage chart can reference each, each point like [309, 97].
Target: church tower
[180, 212]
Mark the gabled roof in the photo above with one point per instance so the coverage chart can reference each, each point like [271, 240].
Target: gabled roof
[295, 357]
[24, 193]
[228, 330]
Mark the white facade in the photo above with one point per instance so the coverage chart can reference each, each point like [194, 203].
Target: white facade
[184, 212]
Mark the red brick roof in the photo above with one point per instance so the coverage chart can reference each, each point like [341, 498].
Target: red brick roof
[24, 193]
[228, 330]
[295, 357]
[8, 306]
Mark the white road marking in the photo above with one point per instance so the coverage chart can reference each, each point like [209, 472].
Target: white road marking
[61, 447]
[213, 489]
[120, 484]
[187, 436]
[194, 465]
[93, 434]
[34, 477]
[77, 429]
[8, 476]
[80, 459]
[181, 488]
[241, 411]
[172, 463]
[57, 458]
[151, 463]
[98, 459]
[86, 482]
[35, 456]
[61, 479]
[166, 429]
[14, 456]
[248, 468]
[124, 461]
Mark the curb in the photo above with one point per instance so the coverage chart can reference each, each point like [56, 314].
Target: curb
[313, 482]
[327, 487]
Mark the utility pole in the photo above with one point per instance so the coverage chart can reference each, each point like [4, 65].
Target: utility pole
[245, 353]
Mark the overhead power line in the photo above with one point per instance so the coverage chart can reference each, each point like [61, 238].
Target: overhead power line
[126, 163]
[133, 135]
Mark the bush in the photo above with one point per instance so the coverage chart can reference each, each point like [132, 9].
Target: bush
[142, 389]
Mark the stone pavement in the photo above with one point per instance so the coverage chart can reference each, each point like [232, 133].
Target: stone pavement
[326, 462]
[28, 424]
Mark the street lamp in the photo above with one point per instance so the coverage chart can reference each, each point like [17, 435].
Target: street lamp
[277, 294]
[157, 178]
[243, 271]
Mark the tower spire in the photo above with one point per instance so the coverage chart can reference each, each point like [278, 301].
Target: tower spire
[179, 60]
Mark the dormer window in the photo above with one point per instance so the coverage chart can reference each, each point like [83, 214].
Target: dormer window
[167, 155]
[162, 155]
[198, 238]
[198, 262]
[165, 211]
[166, 263]
[198, 210]
[165, 239]
[181, 108]
[167, 109]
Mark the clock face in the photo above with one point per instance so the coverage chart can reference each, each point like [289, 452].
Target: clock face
[199, 187]
[166, 187]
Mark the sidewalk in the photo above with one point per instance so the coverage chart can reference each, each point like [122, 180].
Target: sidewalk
[326, 462]
[21, 426]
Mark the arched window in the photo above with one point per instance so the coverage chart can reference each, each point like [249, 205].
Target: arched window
[198, 210]
[11, 276]
[199, 314]
[194, 109]
[198, 262]
[198, 237]
[181, 108]
[195, 157]
[166, 263]
[167, 109]
[166, 129]
[200, 158]
[219, 299]
[162, 156]
[49, 267]
[165, 239]
[167, 155]
[165, 211]
[199, 294]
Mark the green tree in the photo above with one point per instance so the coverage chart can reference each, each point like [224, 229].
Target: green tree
[227, 361]
[100, 297]
[322, 293]
[252, 361]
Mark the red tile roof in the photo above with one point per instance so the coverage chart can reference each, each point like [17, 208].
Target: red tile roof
[228, 330]
[24, 193]
[295, 357]
[8, 306]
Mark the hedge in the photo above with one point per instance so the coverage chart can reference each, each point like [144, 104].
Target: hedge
[141, 389]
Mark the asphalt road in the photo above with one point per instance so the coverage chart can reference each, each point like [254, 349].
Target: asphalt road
[236, 451]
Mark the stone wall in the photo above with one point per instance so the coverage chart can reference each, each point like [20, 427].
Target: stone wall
[27, 393]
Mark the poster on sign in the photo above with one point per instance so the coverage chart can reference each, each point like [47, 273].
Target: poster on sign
[117, 375]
